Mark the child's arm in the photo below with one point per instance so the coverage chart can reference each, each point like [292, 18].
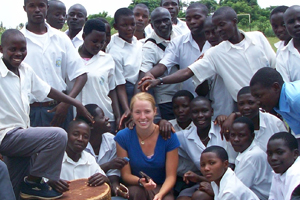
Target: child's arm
[60, 186]
[122, 96]
[115, 106]
[193, 177]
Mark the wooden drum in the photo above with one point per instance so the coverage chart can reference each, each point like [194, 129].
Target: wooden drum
[80, 191]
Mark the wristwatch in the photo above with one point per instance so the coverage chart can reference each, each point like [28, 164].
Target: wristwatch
[139, 182]
[161, 81]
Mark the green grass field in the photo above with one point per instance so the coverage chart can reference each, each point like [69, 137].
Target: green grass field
[272, 41]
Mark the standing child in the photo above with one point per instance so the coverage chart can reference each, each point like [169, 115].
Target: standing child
[56, 15]
[141, 15]
[283, 156]
[107, 31]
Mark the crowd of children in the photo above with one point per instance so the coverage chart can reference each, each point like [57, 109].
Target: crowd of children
[173, 109]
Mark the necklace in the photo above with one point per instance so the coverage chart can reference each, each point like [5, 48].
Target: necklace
[143, 140]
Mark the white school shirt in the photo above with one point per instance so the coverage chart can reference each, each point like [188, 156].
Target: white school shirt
[152, 54]
[231, 188]
[77, 41]
[179, 29]
[178, 128]
[183, 51]
[236, 65]
[288, 61]
[101, 80]
[14, 96]
[127, 57]
[85, 167]
[279, 45]
[107, 152]
[283, 185]
[56, 62]
[253, 169]
[268, 126]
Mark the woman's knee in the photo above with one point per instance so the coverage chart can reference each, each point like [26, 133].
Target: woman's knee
[136, 193]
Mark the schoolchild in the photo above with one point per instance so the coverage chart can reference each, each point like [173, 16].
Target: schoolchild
[107, 31]
[55, 60]
[100, 86]
[251, 165]
[56, 15]
[283, 157]
[141, 16]
[226, 185]
[289, 57]
[19, 81]
[76, 18]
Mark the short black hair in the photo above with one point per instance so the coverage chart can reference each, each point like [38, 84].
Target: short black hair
[199, 5]
[183, 93]
[227, 12]
[288, 138]
[278, 9]
[201, 98]
[162, 1]
[91, 108]
[75, 122]
[219, 151]
[103, 20]
[10, 32]
[266, 77]
[93, 24]
[247, 121]
[141, 5]
[244, 90]
[122, 12]
[79, 5]
[25, 1]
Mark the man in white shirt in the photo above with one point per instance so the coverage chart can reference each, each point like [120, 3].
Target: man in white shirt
[55, 60]
[76, 18]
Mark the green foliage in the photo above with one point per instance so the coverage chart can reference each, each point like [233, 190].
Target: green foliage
[103, 14]
[210, 4]
[151, 4]
[2, 29]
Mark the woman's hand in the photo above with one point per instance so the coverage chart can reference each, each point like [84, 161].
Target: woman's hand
[151, 185]
[158, 196]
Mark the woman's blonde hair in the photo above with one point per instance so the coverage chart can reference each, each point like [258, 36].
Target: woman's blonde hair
[142, 96]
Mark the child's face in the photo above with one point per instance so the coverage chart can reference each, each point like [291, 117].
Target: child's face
[126, 27]
[56, 15]
[101, 122]
[280, 157]
[278, 26]
[172, 6]
[94, 41]
[36, 11]
[195, 18]
[247, 105]
[141, 16]
[78, 137]
[210, 34]
[212, 167]
[240, 137]
[76, 17]
[292, 21]
[201, 113]
[224, 27]
[181, 108]
[14, 50]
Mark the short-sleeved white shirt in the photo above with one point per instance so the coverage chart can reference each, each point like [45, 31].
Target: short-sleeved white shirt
[231, 188]
[287, 63]
[283, 185]
[77, 41]
[180, 28]
[268, 126]
[14, 94]
[127, 57]
[85, 167]
[236, 65]
[152, 54]
[279, 45]
[56, 62]
[253, 169]
[178, 128]
[183, 51]
[101, 80]
[107, 152]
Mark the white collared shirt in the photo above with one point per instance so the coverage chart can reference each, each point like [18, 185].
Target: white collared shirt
[178, 128]
[14, 95]
[127, 57]
[283, 185]
[268, 126]
[152, 54]
[288, 60]
[253, 169]
[85, 167]
[236, 65]
[101, 80]
[183, 51]
[107, 152]
[279, 45]
[77, 41]
[231, 188]
[57, 62]
[179, 29]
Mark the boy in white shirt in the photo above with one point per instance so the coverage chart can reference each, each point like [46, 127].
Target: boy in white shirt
[56, 15]
[283, 156]
[141, 14]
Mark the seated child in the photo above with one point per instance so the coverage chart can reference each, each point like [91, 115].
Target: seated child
[265, 124]
[56, 15]
[78, 163]
[283, 157]
[251, 165]
[226, 185]
[100, 86]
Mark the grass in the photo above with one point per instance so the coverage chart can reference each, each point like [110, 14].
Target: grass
[272, 41]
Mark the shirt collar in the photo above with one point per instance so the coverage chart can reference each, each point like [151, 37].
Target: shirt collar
[290, 46]
[188, 37]
[249, 41]
[3, 69]
[120, 42]
[160, 39]
[83, 160]
[261, 120]
[252, 145]
[50, 30]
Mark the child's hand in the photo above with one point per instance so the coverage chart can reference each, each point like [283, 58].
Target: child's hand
[220, 119]
[125, 117]
[97, 180]
[191, 176]
[151, 185]
[165, 129]
[60, 186]
[118, 163]
[206, 187]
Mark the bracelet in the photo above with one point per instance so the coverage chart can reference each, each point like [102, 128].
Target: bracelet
[161, 81]
[139, 182]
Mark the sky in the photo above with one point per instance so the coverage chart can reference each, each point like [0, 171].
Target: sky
[12, 13]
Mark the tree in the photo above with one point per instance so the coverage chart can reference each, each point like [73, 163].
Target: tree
[103, 14]
[151, 4]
